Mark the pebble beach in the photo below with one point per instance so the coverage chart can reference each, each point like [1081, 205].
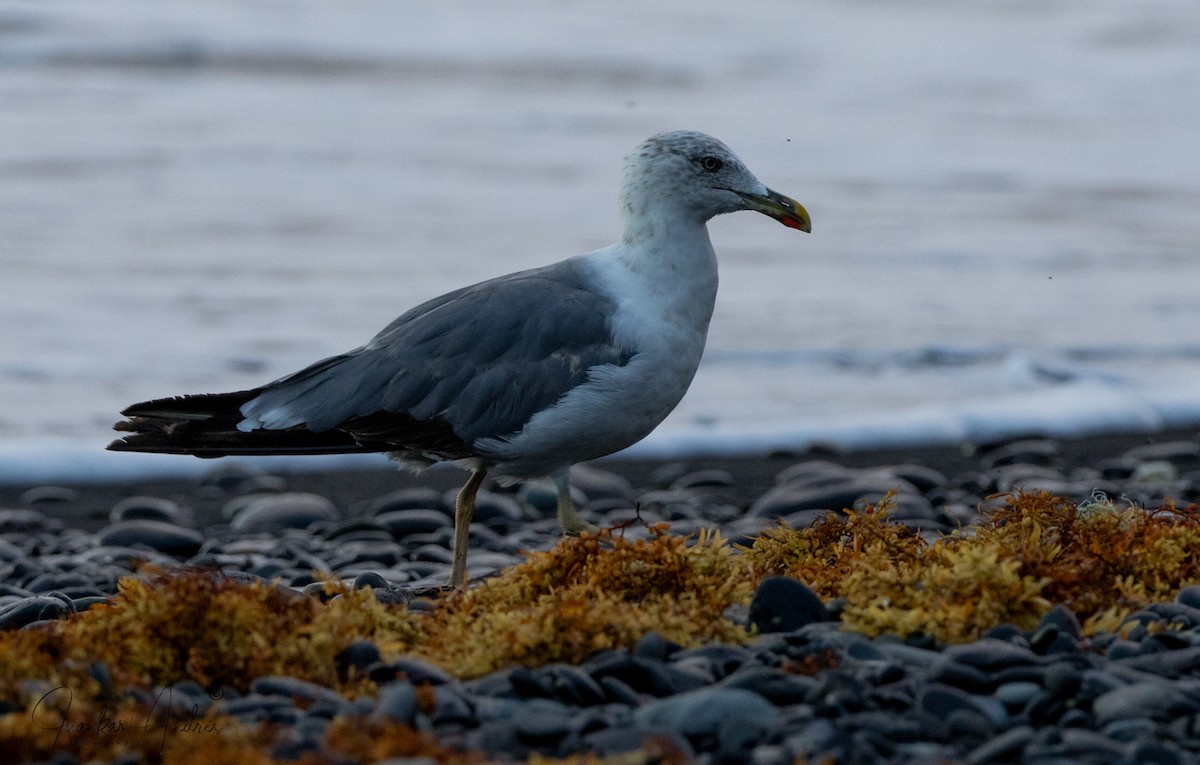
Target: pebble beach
[782, 674]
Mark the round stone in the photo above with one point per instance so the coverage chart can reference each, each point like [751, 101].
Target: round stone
[140, 508]
[292, 510]
[164, 537]
[785, 604]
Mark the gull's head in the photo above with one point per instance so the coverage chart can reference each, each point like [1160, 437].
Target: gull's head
[696, 177]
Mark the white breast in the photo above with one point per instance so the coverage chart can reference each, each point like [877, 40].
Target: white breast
[664, 303]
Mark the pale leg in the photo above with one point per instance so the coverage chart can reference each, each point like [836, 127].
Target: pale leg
[464, 510]
[568, 517]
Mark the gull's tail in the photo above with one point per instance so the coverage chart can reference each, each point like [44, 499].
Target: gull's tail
[206, 426]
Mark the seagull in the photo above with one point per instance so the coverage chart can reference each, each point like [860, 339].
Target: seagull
[521, 376]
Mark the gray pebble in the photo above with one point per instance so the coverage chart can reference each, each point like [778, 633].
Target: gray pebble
[27, 611]
[273, 513]
[149, 509]
[24, 521]
[48, 495]
[402, 523]
[990, 654]
[785, 604]
[542, 722]
[1189, 596]
[727, 713]
[397, 702]
[790, 498]
[1017, 694]
[1150, 699]
[1002, 747]
[1026, 452]
[163, 537]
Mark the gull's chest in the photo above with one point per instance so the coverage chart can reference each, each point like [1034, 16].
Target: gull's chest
[661, 310]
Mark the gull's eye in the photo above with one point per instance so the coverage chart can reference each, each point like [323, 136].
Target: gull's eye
[711, 164]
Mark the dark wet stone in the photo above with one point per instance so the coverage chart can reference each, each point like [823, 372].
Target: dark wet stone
[572, 685]
[357, 656]
[1168, 664]
[940, 700]
[149, 509]
[84, 603]
[414, 498]
[789, 498]
[962, 676]
[1148, 699]
[967, 725]
[774, 685]
[1065, 620]
[370, 579]
[9, 552]
[642, 675]
[256, 707]
[165, 538]
[1177, 614]
[990, 654]
[1013, 477]
[527, 683]
[35, 609]
[397, 702]
[359, 530]
[273, 513]
[654, 646]
[1123, 649]
[1003, 747]
[433, 553]
[56, 581]
[611, 742]
[713, 718]
[704, 479]
[815, 472]
[48, 495]
[1063, 679]
[925, 479]
[229, 476]
[499, 510]
[1157, 753]
[1179, 453]
[542, 722]
[1021, 673]
[451, 707]
[25, 522]
[1017, 694]
[1189, 596]
[617, 691]
[1025, 452]
[784, 604]
[417, 672]
[721, 658]
[811, 740]
[402, 523]
[600, 484]
[1088, 745]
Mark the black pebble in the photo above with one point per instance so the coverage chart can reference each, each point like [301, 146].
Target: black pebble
[784, 604]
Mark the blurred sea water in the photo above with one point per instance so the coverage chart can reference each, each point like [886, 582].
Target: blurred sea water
[206, 196]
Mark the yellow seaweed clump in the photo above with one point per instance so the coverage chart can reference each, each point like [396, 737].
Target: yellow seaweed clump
[580, 597]
[1101, 560]
[1035, 551]
[218, 631]
[893, 581]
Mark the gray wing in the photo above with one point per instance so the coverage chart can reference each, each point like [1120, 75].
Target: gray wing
[482, 360]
